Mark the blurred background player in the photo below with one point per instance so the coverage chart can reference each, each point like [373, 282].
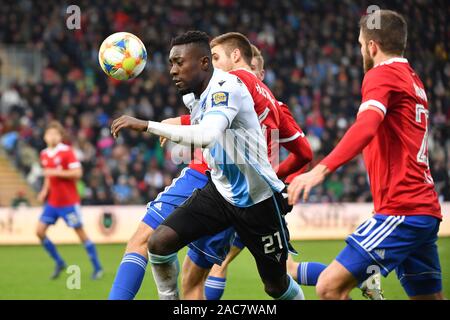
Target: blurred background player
[391, 130]
[61, 171]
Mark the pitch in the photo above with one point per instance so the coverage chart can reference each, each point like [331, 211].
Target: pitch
[25, 270]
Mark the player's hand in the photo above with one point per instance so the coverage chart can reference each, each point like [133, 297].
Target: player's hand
[305, 182]
[163, 140]
[127, 122]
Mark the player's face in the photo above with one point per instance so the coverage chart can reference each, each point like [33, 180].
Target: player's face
[257, 69]
[220, 59]
[52, 137]
[186, 67]
[367, 59]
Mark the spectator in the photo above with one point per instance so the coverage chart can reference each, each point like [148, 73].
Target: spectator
[313, 62]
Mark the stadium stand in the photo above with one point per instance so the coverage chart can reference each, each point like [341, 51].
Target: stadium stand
[313, 63]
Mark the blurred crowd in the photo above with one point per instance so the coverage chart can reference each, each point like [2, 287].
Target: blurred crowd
[313, 63]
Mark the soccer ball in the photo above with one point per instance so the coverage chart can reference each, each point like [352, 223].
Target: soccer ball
[122, 56]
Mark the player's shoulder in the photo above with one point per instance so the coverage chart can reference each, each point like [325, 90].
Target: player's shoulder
[225, 81]
[385, 72]
[226, 87]
[244, 75]
[64, 149]
[283, 107]
[61, 150]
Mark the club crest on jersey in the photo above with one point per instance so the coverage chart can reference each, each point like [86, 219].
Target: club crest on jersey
[220, 99]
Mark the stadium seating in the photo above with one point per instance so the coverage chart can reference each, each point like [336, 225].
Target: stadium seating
[312, 62]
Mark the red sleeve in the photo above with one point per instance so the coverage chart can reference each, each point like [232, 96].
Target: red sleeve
[377, 88]
[293, 139]
[71, 160]
[355, 139]
[185, 120]
[289, 129]
[300, 155]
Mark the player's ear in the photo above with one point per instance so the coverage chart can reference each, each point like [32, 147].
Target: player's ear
[205, 63]
[373, 48]
[236, 55]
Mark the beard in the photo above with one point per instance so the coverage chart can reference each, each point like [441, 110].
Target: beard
[184, 91]
[367, 60]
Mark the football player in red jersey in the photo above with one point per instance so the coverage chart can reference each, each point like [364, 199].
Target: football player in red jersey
[61, 171]
[391, 130]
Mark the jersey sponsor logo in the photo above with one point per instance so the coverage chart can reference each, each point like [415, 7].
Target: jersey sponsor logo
[220, 99]
[221, 82]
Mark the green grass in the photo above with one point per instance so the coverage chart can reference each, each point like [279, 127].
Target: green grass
[24, 272]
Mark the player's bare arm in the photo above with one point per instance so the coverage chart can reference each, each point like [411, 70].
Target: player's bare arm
[44, 191]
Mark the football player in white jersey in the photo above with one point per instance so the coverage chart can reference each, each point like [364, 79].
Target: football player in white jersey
[243, 191]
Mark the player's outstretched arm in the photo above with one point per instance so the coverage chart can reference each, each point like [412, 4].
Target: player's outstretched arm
[200, 135]
[354, 141]
[127, 122]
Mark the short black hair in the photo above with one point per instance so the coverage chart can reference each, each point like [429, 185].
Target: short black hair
[199, 38]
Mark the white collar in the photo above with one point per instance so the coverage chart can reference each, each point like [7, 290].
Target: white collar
[52, 152]
[392, 60]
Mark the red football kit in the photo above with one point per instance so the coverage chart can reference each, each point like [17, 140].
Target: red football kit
[391, 130]
[62, 191]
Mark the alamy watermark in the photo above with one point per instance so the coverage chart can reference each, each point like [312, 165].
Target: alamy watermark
[373, 283]
[374, 19]
[73, 281]
[234, 146]
[73, 21]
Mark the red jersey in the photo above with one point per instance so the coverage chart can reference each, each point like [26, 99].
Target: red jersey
[293, 139]
[397, 156]
[62, 192]
[272, 115]
[266, 106]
